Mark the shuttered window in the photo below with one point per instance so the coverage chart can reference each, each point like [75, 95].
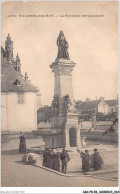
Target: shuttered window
[20, 98]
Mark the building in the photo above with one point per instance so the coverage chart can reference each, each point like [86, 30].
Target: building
[44, 114]
[112, 105]
[18, 95]
[38, 95]
[97, 106]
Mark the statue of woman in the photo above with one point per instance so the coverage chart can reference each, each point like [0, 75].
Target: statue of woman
[62, 46]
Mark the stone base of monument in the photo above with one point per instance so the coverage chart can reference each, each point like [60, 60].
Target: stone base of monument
[66, 134]
[65, 131]
[53, 139]
[72, 130]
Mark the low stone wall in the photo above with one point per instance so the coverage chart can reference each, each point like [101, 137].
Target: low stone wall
[99, 125]
[8, 136]
[44, 125]
[86, 124]
[105, 127]
[111, 137]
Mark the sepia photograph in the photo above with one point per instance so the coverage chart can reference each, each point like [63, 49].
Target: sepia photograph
[59, 94]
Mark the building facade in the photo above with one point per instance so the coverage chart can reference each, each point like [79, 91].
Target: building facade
[18, 95]
[112, 105]
[97, 106]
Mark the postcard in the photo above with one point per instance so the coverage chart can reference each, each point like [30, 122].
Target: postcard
[59, 96]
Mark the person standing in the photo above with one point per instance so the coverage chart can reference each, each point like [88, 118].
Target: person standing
[53, 160]
[64, 158]
[82, 155]
[22, 145]
[45, 157]
[97, 160]
[48, 159]
[86, 161]
[57, 162]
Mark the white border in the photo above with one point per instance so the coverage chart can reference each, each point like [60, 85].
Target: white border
[58, 189]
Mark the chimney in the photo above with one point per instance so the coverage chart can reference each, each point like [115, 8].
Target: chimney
[87, 99]
[101, 98]
[26, 76]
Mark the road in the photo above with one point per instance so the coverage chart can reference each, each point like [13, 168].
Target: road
[17, 174]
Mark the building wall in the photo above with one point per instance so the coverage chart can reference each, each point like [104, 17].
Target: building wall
[103, 107]
[18, 117]
[116, 108]
[4, 112]
[38, 99]
[112, 109]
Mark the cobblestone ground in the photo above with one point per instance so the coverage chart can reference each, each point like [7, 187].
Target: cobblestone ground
[15, 173]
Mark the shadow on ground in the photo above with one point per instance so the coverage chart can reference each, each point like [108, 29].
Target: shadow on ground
[20, 162]
[16, 151]
[10, 152]
[76, 171]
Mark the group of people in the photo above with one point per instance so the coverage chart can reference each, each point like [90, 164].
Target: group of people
[53, 159]
[91, 161]
[58, 161]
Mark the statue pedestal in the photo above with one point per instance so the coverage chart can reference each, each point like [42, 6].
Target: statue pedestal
[62, 69]
[64, 133]
[72, 131]
[65, 130]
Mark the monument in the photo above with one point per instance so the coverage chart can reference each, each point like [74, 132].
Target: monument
[65, 130]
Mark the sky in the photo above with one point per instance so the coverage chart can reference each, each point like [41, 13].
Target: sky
[93, 44]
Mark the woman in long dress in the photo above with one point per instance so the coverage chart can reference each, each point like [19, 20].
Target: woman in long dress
[82, 155]
[22, 145]
[97, 160]
[62, 46]
[86, 161]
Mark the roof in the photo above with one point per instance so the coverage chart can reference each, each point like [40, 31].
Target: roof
[113, 102]
[9, 76]
[87, 105]
[3, 52]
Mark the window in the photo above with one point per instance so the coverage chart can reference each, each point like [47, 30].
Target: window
[20, 98]
[112, 109]
[17, 82]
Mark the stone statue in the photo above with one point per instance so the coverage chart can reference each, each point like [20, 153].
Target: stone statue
[55, 105]
[8, 42]
[9, 48]
[67, 103]
[55, 102]
[62, 46]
